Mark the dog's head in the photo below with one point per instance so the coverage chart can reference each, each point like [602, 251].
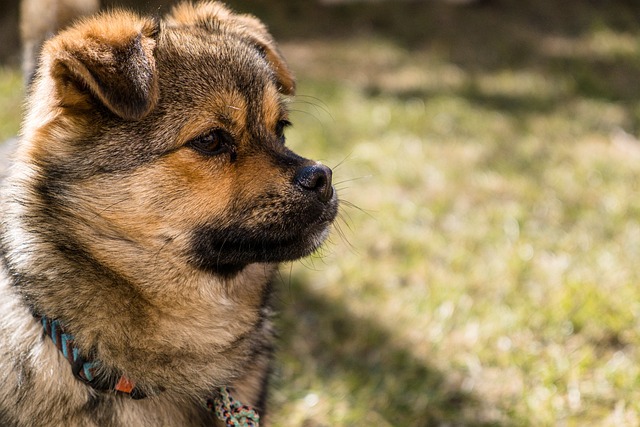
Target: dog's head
[168, 137]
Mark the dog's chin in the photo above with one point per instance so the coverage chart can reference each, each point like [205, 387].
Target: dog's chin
[227, 252]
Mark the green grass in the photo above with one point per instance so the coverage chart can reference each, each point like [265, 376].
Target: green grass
[489, 276]
[484, 269]
[11, 98]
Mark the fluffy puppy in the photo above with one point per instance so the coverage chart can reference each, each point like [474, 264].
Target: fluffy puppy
[151, 198]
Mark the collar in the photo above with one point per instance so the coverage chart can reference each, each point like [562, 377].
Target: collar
[86, 369]
[91, 372]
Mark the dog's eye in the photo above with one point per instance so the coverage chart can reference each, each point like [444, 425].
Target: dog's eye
[280, 127]
[212, 143]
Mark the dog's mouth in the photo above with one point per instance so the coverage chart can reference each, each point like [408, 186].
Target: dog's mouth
[293, 230]
[227, 250]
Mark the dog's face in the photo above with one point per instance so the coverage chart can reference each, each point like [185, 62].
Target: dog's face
[170, 137]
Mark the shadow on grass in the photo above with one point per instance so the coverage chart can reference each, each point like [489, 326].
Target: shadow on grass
[324, 339]
[514, 104]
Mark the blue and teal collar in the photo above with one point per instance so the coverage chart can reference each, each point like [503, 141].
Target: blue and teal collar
[90, 372]
[86, 369]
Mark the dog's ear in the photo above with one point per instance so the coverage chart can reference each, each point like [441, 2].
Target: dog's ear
[215, 17]
[256, 30]
[110, 58]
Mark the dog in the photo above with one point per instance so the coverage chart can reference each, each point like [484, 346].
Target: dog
[151, 199]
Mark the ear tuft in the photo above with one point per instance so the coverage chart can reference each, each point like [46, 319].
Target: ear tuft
[215, 17]
[110, 58]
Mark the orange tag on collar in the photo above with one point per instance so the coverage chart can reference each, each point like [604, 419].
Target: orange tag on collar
[125, 385]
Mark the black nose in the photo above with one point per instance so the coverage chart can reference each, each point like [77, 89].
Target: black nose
[316, 178]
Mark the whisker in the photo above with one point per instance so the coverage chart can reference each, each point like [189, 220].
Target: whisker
[351, 205]
[309, 114]
[319, 105]
[286, 283]
[343, 235]
[315, 98]
[346, 219]
[341, 162]
[358, 178]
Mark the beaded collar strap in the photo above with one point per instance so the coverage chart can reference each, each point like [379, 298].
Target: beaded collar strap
[87, 370]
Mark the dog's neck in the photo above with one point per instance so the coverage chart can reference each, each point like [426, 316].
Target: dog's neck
[92, 373]
[84, 368]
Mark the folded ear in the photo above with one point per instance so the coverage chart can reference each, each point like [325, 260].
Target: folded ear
[109, 58]
[215, 17]
[255, 29]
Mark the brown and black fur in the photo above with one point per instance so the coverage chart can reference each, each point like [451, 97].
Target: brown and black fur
[151, 198]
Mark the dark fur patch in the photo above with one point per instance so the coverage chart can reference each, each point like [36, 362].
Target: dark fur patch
[228, 250]
[6, 420]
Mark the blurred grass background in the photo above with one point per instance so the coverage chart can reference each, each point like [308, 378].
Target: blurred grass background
[484, 270]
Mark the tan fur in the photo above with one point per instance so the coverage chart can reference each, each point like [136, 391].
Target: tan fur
[156, 255]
